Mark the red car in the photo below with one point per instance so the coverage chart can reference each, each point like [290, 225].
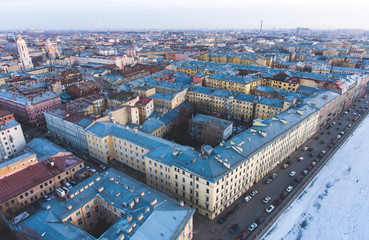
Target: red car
[244, 235]
[309, 168]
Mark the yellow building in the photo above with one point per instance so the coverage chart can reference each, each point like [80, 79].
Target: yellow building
[241, 84]
[36, 181]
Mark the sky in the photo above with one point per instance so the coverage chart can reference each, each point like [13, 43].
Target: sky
[182, 14]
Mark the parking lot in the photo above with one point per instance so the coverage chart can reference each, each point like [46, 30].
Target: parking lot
[275, 191]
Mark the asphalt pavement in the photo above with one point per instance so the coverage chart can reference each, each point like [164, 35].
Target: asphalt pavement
[248, 212]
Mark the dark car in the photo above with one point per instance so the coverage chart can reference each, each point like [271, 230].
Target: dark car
[231, 213]
[222, 220]
[277, 201]
[260, 220]
[293, 184]
[298, 179]
[36, 205]
[273, 176]
[284, 194]
[234, 228]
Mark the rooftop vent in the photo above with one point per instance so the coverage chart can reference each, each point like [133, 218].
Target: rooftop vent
[69, 207]
[101, 189]
[129, 218]
[181, 203]
[147, 209]
[153, 202]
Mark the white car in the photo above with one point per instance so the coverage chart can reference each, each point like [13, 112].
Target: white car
[266, 199]
[293, 173]
[252, 227]
[269, 209]
[247, 198]
[47, 198]
[338, 136]
[253, 193]
[93, 170]
[289, 188]
[305, 148]
[301, 159]
[68, 185]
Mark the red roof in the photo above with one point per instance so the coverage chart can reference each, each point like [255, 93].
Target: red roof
[22, 181]
[294, 80]
[143, 101]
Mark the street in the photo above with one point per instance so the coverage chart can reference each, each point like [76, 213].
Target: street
[247, 213]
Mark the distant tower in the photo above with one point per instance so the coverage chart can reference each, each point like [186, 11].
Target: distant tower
[23, 54]
[261, 26]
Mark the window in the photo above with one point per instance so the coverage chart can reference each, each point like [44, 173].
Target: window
[78, 213]
[87, 207]
[80, 221]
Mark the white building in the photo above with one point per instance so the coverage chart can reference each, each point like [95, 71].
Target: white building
[12, 139]
[24, 57]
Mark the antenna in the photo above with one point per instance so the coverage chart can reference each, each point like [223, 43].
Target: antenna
[261, 26]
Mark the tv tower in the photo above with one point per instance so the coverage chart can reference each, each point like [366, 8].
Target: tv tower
[261, 26]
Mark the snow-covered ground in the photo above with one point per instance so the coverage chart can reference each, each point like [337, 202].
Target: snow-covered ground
[335, 205]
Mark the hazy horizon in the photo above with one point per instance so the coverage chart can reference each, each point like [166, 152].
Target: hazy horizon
[182, 15]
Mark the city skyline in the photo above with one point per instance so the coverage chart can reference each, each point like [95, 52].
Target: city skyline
[164, 14]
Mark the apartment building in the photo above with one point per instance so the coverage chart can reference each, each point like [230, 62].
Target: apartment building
[145, 107]
[209, 130]
[27, 185]
[12, 139]
[214, 178]
[29, 109]
[122, 98]
[131, 209]
[240, 84]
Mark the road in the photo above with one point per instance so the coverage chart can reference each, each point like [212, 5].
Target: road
[250, 211]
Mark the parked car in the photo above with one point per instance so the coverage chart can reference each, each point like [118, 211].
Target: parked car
[284, 194]
[274, 175]
[260, 220]
[234, 228]
[285, 166]
[267, 181]
[277, 201]
[338, 136]
[293, 173]
[244, 235]
[269, 209]
[253, 193]
[73, 183]
[222, 220]
[298, 179]
[252, 227]
[313, 163]
[102, 167]
[247, 198]
[68, 185]
[47, 198]
[231, 213]
[309, 168]
[289, 188]
[301, 159]
[305, 172]
[93, 170]
[266, 199]
[294, 184]
[305, 148]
